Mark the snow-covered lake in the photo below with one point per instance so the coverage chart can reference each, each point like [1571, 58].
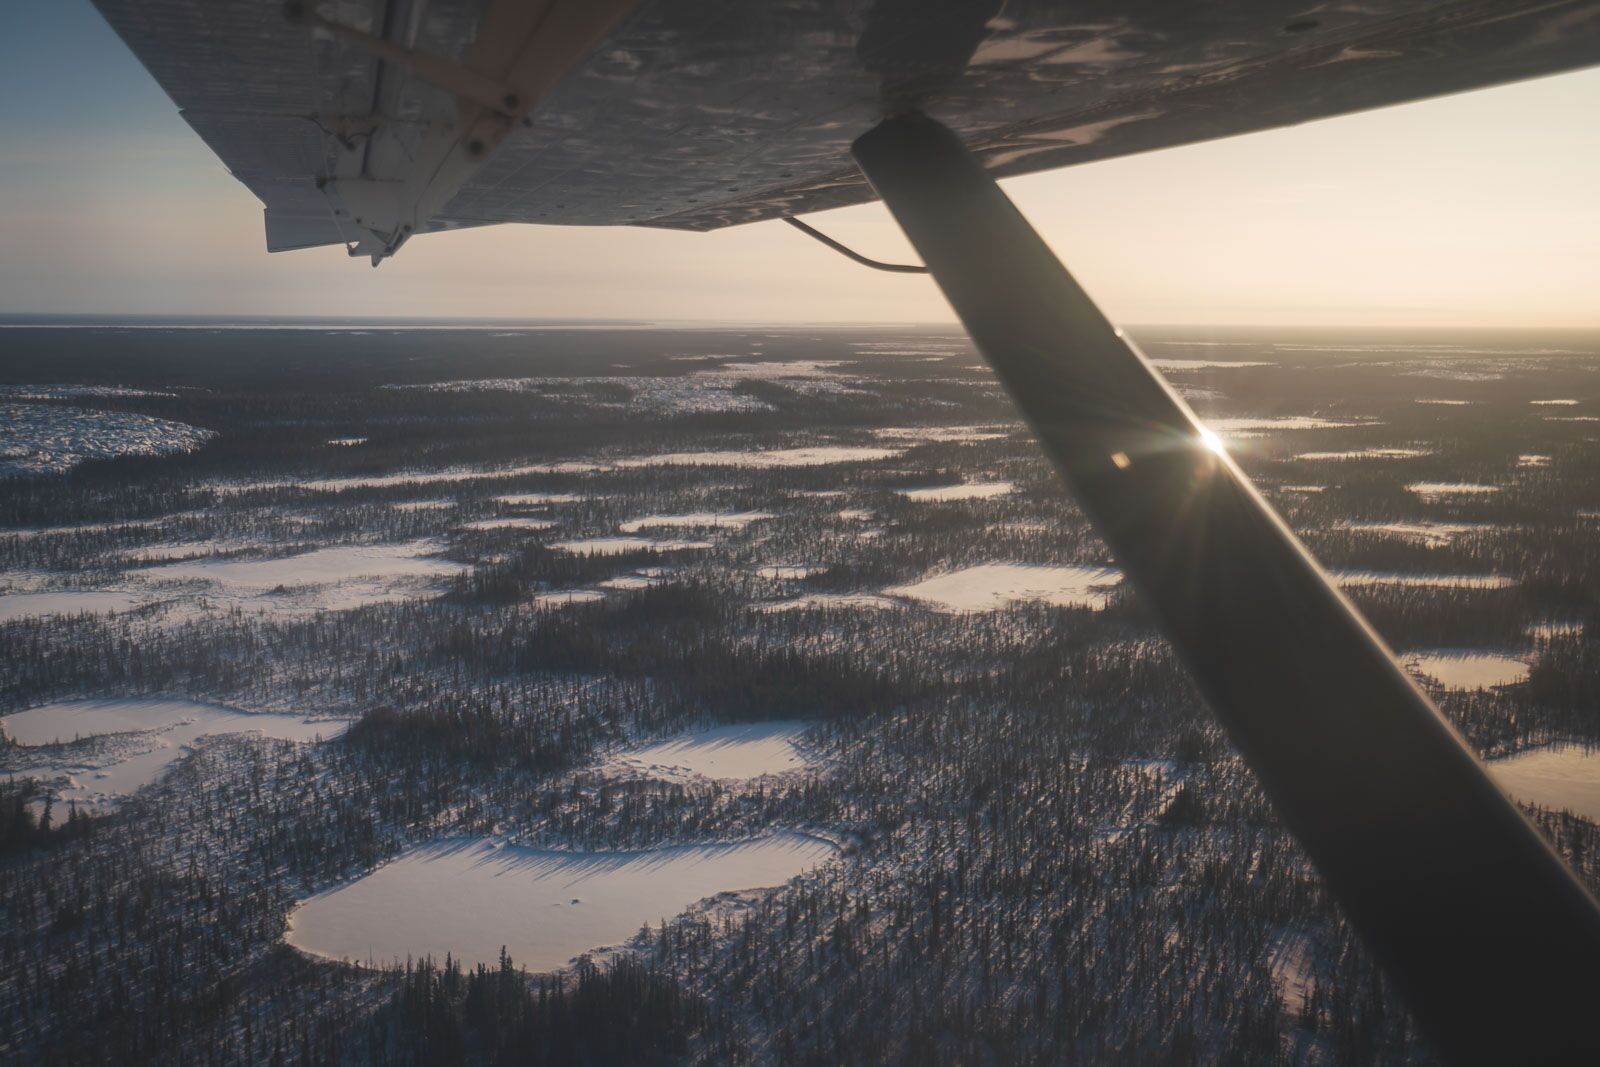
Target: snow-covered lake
[992, 586]
[741, 750]
[1562, 777]
[1243, 427]
[943, 434]
[65, 602]
[142, 738]
[1461, 668]
[815, 456]
[965, 491]
[335, 579]
[468, 898]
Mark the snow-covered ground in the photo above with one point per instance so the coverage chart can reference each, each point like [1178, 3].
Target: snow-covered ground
[470, 898]
[53, 438]
[116, 747]
[739, 751]
[1433, 534]
[326, 579]
[509, 522]
[992, 586]
[1435, 491]
[833, 601]
[964, 491]
[1244, 427]
[616, 546]
[1353, 579]
[765, 459]
[1366, 453]
[66, 602]
[729, 520]
[1562, 777]
[1462, 668]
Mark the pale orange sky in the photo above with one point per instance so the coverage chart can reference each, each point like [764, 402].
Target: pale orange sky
[1474, 210]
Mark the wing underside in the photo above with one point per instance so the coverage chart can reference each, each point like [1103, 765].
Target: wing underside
[361, 122]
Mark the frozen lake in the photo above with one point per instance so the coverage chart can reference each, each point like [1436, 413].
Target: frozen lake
[1244, 427]
[64, 602]
[324, 579]
[965, 491]
[816, 456]
[142, 739]
[1562, 777]
[318, 567]
[741, 750]
[992, 586]
[1464, 668]
[468, 898]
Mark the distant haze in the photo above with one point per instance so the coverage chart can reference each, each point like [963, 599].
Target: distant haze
[1473, 210]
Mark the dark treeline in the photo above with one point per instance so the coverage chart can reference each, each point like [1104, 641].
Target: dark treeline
[623, 1013]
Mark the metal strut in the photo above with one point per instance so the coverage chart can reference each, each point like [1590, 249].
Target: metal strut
[844, 250]
[1493, 942]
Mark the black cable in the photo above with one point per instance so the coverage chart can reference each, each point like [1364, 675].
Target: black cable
[896, 268]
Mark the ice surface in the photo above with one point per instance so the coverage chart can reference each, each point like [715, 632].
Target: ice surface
[1461, 668]
[151, 735]
[957, 434]
[1206, 364]
[53, 438]
[992, 586]
[325, 579]
[814, 456]
[1562, 777]
[320, 566]
[965, 491]
[741, 751]
[468, 898]
[65, 602]
[1258, 427]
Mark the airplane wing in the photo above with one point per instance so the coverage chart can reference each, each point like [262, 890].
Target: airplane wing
[362, 122]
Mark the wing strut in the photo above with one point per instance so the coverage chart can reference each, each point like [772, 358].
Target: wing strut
[1492, 940]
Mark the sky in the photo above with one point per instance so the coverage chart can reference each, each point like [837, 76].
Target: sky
[1476, 210]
